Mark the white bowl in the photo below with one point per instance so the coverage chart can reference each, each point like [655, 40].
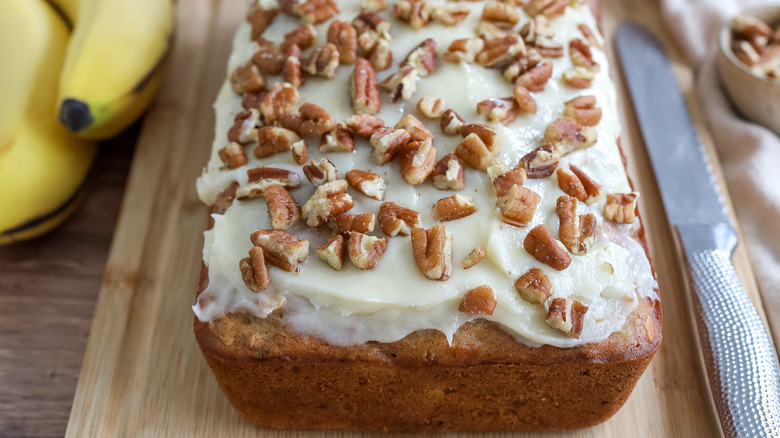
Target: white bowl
[756, 97]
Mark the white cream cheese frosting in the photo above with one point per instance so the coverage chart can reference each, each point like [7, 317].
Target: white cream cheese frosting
[385, 304]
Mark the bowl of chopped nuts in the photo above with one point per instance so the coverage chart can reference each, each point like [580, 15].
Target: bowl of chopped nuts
[749, 64]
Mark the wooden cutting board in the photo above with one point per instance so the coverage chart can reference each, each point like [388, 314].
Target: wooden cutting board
[143, 374]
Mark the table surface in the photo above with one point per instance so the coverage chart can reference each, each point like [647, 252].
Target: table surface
[48, 290]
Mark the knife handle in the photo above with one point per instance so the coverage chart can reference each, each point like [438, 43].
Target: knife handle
[738, 353]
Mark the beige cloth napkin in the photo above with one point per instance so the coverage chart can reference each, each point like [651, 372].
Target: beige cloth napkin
[750, 153]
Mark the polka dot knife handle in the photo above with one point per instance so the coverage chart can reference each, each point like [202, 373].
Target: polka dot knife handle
[738, 353]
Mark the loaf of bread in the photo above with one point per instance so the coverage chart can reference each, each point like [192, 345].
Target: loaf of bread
[421, 220]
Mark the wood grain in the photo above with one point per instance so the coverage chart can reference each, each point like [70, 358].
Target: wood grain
[143, 374]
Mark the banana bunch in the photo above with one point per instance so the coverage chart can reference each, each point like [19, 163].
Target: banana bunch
[95, 80]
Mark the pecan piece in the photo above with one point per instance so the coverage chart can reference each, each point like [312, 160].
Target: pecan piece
[333, 252]
[479, 301]
[364, 125]
[567, 315]
[432, 250]
[373, 5]
[323, 61]
[621, 207]
[367, 183]
[541, 244]
[431, 107]
[363, 89]
[273, 140]
[578, 77]
[474, 153]
[475, 256]
[524, 100]
[281, 249]
[417, 131]
[269, 59]
[448, 173]
[488, 135]
[451, 122]
[541, 162]
[291, 72]
[417, 161]
[583, 110]
[504, 179]
[253, 270]
[539, 26]
[233, 155]
[422, 58]
[578, 185]
[340, 139]
[536, 77]
[415, 12]
[548, 8]
[513, 71]
[589, 35]
[566, 135]
[320, 173]
[581, 56]
[303, 36]
[750, 28]
[260, 178]
[365, 250]
[260, 18]
[310, 120]
[503, 111]
[283, 209]
[344, 36]
[518, 205]
[450, 16]
[534, 286]
[380, 55]
[501, 14]
[299, 152]
[386, 143]
[247, 79]
[281, 99]
[465, 50]
[372, 25]
[396, 220]
[453, 207]
[359, 223]
[401, 85]
[329, 200]
[316, 11]
[576, 232]
[244, 129]
[498, 52]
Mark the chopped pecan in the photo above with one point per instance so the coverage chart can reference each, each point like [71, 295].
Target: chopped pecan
[498, 52]
[372, 24]
[541, 244]
[253, 270]
[323, 61]
[566, 135]
[589, 35]
[536, 77]
[333, 252]
[233, 155]
[363, 89]
[273, 139]
[501, 14]
[401, 85]
[310, 120]
[292, 71]
[432, 250]
[745, 52]
[329, 200]
[541, 162]
[453, 207]
[475, 256]
[380, 55]
[583, 110]
[505, 179]
[367, 183]
[396, 220]
[244, 129]
[281, 99]
[518, 205]
[344, 36]
[488, 135]
[269, 58]
[479, 301]
[359, 223]
[487, 30]
[534, 286]
[417, 161]
[299, 152]
[252, 100]
[547, 47]
[320, 173]
[576, 232]
[548, 8]
[431, 107]
[525, 101]
[423, 58]
[340, 139]
[621, 207]
[750, 28]
[448, 173]
[364, 125]
[417, 131]
[373, 5]
[283, 209]
[502, 110]
[224, 200]
[566, 315]
[260, 18]
[316, 11]
[474, 153]
[581, 55]
[260, 178]
[415, 12]
[386, 143]
[451, 122]
[247, 79]
[303, 36]
[525, 63]
[578, 77]
[450, 16]
[281, 249]
[578, 185]
[465, 49]
[365, 250]
[536, 27]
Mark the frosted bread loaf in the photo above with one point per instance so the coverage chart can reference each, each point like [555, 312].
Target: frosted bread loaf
[421, 220]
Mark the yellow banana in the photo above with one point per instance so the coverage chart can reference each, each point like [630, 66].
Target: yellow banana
[115, 64]
[42, 167]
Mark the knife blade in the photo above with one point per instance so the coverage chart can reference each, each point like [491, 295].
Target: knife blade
[739, 357]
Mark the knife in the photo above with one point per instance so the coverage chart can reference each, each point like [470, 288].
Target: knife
[738, 354]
